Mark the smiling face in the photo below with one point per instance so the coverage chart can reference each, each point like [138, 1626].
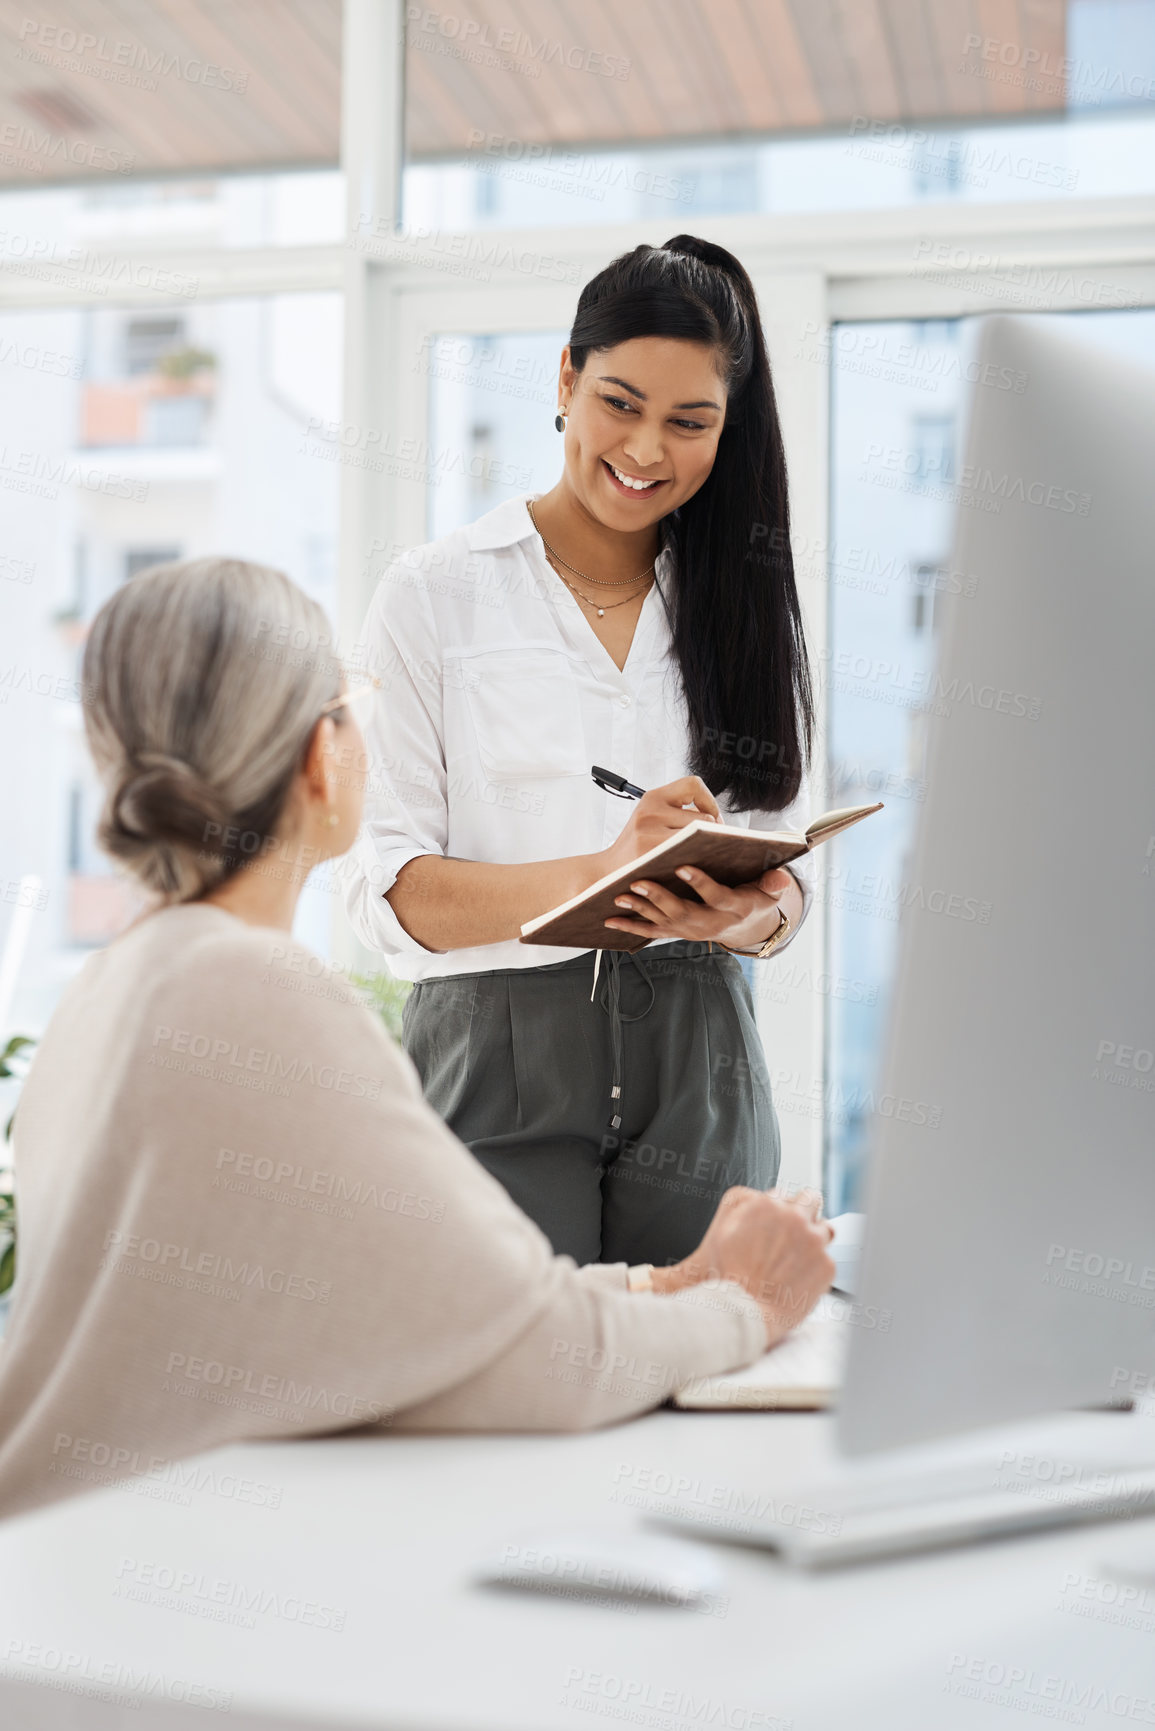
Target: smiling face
[644, 420]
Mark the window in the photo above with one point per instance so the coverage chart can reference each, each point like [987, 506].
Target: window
[147, 340]
[485, 195]
[883, 590]
[126, 468]
[941, 333]
[75, 826]
[882, 593]
[712, 182]
[175, 421]
[74, 609]
[927, 579]
[937, 168]
[144, 558]
[492, 401]
[932, 446]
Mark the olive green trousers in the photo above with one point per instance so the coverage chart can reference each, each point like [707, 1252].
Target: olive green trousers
[522, 1066]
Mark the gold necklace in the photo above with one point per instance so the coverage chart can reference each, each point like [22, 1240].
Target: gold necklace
[610, 605]
[599, 582]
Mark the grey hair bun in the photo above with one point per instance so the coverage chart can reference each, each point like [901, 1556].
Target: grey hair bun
[167, 824]
[198, 718]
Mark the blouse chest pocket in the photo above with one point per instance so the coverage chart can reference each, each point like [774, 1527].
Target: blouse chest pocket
[524, 709]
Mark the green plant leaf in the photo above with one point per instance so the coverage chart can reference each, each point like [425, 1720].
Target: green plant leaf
[386, 995]
[7, 1267]
[183, 363]
[12, 1050]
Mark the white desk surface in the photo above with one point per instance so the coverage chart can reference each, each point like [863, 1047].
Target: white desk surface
[388, 1529]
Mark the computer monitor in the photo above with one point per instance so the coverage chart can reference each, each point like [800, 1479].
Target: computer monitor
[1010, 1236]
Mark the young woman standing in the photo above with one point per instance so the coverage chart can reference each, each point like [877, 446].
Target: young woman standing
[626, 618]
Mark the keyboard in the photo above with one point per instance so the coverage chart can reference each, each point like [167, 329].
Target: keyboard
[954, 1505]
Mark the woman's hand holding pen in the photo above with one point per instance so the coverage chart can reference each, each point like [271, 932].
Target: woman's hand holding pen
[740, 917]
[773, 1246]
[657, 814]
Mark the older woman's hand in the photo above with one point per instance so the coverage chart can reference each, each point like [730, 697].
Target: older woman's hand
[774, 1246]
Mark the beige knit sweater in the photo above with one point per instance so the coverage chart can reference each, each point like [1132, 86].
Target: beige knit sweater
[239, 1219]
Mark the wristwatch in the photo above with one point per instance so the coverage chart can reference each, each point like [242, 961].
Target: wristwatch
[779, 935]
[641, 1277]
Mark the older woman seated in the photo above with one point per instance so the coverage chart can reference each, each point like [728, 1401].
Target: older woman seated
[237, 1216]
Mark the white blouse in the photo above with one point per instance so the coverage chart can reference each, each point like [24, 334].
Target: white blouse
[497, 698]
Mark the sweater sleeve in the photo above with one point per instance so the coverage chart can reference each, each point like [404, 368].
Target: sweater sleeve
[593, 1357]
[611, 1274]
[444, 1302]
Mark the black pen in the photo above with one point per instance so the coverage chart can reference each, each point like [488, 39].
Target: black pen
[616, 784]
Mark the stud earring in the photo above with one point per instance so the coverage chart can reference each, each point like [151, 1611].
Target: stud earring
[559, 422]
[332, 820]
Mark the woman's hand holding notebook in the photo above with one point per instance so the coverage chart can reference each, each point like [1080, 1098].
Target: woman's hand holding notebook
[726, 853]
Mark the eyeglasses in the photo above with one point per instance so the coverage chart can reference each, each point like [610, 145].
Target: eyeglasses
[358, 703]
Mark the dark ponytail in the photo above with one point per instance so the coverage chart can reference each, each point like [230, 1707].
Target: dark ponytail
[735, 617]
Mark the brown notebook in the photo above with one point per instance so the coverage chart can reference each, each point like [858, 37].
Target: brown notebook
[724, 852]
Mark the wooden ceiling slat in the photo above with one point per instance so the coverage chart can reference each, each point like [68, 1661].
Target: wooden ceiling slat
[694, 35]
[862, 29]
[950, 23]
[186, 123]
[919, 78]
[170, 122]
[756, 96]
[432, 111]
[261, 116]
[999, 20]
[817, 22]
[472, 97]
[589, 101]
[508, 104]
[643, 102]
[285, 71]
[697, 68]
[671, 79]
[436, 109]
[504, 100]
[158, 126]
[641, 95]
[1045, 26]
[785, 56]
[637, 96]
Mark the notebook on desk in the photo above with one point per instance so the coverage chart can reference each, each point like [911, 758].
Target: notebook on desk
[802, 1374]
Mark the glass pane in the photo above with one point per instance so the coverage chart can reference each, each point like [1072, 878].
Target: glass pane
[80, 234]
[875, 166]
[126, 439]
[899, 402]
[492, 401]
[1052, 102]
